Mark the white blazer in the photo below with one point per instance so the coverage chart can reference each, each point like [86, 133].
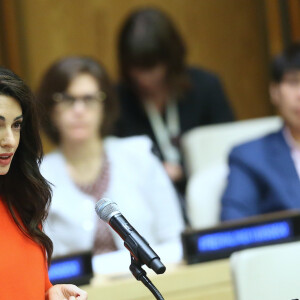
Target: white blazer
[138, 184]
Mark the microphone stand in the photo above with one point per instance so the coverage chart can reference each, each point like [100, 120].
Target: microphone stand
[140, 274]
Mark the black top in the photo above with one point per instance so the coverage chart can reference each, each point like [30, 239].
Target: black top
[202, 104]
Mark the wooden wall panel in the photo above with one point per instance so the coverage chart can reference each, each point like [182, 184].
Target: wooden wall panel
[1, 52]
[10, 56]
[225, 36]
[294, 12]
[274, 26]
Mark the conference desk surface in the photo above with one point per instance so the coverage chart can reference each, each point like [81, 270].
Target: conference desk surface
[205, 281]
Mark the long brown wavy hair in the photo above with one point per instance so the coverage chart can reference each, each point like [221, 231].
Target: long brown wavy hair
[24, 190]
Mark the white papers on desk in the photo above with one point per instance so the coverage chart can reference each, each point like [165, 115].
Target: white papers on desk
[117, 262]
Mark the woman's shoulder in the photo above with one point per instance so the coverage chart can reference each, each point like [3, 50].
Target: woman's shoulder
[51, 163]
[138, 145]
[52, 158]
[198, 73]
[129, 142]
[203, 84]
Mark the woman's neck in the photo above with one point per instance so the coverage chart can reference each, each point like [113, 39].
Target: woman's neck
[159, 97]
[84, 159]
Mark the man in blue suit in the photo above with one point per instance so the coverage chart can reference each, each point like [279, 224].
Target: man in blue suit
[265, 173]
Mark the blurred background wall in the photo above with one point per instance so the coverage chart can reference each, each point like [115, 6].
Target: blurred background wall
[234, 38]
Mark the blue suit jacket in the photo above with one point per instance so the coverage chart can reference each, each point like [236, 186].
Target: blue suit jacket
[262, 179]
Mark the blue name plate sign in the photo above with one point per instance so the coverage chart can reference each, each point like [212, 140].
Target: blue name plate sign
[76, 269]
[221, 241]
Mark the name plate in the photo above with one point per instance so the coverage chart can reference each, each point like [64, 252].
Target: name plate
[221, 241]
[75, 269]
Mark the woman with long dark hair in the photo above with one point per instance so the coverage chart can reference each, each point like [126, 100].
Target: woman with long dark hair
[160, 95]
[24, 199]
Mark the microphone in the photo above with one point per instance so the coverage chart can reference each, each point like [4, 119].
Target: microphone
[108, 211]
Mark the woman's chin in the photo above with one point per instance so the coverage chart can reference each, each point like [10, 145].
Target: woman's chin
[79, 138]
[3, 171]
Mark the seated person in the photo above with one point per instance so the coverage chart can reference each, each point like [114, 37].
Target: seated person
[160, 95]
[79, 110]
[264, 173]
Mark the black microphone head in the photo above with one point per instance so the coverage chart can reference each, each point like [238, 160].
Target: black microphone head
[105, 209]
[157, 266]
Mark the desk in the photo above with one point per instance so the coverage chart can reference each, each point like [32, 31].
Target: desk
[206, 281]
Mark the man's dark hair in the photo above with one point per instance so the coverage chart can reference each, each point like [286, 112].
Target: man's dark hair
[288, 60]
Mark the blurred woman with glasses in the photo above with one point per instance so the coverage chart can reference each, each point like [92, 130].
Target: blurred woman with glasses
[80, 110]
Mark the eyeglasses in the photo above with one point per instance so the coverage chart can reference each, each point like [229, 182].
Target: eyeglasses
[69, 100]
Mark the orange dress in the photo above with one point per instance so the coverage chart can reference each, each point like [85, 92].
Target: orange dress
[23, 268]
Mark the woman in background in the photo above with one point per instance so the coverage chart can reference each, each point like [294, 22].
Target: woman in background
[88, 165]
[160, 95]
[24, 198]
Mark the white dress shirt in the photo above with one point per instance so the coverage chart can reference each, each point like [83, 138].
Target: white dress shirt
[294, 147]
[138, 184]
